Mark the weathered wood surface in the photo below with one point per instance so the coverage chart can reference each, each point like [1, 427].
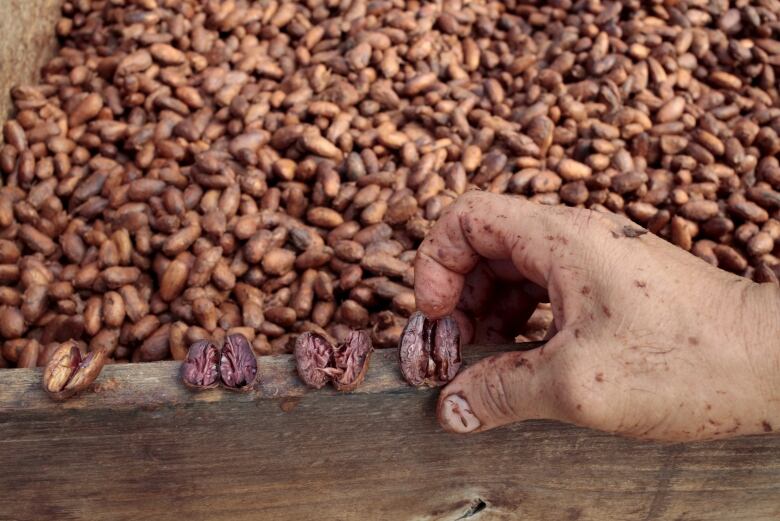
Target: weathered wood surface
[26, 42]
[143, 447]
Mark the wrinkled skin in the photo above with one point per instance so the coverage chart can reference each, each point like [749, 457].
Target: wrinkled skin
[201, 368]
[429, 350]
[238, 365]
[313, 354]
[345, 365]
[67, 373]
[647, 341]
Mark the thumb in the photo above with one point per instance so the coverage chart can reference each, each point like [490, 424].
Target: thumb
[502, 389]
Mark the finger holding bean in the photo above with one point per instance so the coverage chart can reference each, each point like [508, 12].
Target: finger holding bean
[638, 326]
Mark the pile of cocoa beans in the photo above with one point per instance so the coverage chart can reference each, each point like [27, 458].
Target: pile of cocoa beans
[190, 169]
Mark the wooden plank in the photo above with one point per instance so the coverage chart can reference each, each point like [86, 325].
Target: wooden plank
[27, 40]
[130, 386]
[143, 447]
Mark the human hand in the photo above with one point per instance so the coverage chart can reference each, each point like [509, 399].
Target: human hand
[647, 340]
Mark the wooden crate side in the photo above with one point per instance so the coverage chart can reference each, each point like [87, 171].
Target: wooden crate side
[27, 40]
[143, 447]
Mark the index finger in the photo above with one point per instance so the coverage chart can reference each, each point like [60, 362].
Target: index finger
[484, 225]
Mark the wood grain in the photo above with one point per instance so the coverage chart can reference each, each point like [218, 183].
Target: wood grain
[143, 447]
[26, 41]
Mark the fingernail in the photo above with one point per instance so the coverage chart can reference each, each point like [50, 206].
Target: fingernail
[456, 415]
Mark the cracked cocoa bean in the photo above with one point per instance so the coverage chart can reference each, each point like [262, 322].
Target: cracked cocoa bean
[238, 365]
[68, 373]
[312, 355]
[429, 350]
[200, 370]
[345, 365]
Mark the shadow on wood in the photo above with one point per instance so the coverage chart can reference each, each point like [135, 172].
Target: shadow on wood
[143, 447]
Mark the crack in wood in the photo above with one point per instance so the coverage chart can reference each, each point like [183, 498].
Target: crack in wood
[476, 507]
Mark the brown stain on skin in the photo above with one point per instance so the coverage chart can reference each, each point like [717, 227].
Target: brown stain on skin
[735, 428]
[767, 426]
[629, 232]
[585, 290]
[599, 377]
[559, 238]
[709, 407]
[576, 333]
[642, 285]
[693, 340]
[525, 363]
[606, 311]
[488, 228]
[456, 409]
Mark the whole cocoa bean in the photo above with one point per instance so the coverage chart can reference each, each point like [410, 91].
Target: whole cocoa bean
[176, 340]
[36, 299]
[155, 346]
[12, 322]
[28, 357]
[92, 315]
[174, 279]
[106, 340]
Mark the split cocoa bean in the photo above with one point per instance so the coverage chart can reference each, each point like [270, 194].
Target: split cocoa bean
[233, 366]
[429, 350]
[200, 370]
[318, 361]
[68, 372]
